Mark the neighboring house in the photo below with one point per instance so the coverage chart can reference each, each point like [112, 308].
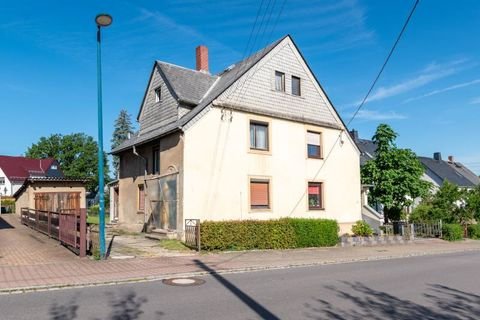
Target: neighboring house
[14, 171]
[438, 171]
[371, 213]
[247, 143]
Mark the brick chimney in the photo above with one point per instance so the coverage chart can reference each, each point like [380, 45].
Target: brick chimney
[202, 58]
[437, 156]
[451, 159]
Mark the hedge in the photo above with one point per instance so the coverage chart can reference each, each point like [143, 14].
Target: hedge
[474, 231]
[452, 232]
[268, 234]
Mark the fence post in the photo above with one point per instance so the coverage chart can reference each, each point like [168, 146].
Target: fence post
[83, 233]
[441, 229]
[412, 231]
[49, 222]
[198, 235]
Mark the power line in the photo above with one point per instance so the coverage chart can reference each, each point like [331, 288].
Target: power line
[339, 137]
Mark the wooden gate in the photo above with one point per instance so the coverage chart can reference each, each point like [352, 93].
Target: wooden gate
[57, 201]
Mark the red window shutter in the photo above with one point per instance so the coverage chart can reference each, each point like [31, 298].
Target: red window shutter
[314, 189]
[259, 194]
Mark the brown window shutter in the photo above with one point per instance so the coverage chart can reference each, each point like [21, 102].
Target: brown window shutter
[259, 194]
[141, 198]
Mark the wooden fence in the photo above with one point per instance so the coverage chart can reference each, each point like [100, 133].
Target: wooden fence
[70, 228]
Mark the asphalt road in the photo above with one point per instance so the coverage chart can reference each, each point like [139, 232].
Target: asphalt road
[429, 287]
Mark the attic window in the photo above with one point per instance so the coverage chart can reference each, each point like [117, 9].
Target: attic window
[296, 86]
[158, 94]
[279, 81]
[54, 167]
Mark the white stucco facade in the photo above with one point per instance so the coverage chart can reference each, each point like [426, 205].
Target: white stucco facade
[5, 185]
[219, 163]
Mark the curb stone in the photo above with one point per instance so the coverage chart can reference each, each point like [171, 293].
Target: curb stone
[20, 290]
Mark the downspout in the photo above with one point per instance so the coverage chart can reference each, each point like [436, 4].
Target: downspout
[144, 184]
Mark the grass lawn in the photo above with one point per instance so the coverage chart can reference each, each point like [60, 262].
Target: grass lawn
[172, 244]
[96, 219]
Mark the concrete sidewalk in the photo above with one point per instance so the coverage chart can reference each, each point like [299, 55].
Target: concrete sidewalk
[80, 272]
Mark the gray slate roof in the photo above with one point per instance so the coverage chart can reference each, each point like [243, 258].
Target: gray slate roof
[188, 85]
[197, 88]
[454, 172]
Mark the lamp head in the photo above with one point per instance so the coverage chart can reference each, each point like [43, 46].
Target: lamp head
[103, 20]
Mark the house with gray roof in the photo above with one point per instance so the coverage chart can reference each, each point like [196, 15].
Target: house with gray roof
[245, 143]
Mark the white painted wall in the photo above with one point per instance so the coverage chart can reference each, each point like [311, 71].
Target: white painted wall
[7, 185]
[218, 163]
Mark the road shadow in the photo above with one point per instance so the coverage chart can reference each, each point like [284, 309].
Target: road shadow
[123, 306]
[260, 310]
[367, 303]
[4, 224]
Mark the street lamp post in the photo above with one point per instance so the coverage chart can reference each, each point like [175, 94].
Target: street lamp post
[102, 20]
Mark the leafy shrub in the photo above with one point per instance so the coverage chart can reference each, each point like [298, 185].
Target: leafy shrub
[474, 231]
[361, 228]
[314, 232]
[452, 232]
[94, 210]
[268, 234]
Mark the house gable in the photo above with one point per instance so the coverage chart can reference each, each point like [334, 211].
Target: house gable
[155, 114]
[255, 90]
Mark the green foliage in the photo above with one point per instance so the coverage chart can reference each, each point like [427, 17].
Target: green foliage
[8, 202]
[314, 232]
[450, 204]
[361, 228]
[452, 231]
[422, 213]
[122, 129]
[94, 210]
[394, 173]
[269, 234]
[76, 154]
[474, 231]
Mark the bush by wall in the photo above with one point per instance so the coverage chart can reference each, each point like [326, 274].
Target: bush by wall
[452, 232]
[269, 234]
[362, 229]
[474, 231]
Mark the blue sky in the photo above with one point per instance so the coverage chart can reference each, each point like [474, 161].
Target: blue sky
[429, 93]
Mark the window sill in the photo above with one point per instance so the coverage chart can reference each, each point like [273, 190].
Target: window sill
[259, 151]
[316, 209]
[315, 158]
[140, 212]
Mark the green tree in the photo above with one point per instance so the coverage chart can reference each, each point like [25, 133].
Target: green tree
[123, 129]
[394, 173]
[446, 203]
[76, 154]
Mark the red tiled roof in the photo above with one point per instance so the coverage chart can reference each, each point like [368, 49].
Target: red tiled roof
[21, 168]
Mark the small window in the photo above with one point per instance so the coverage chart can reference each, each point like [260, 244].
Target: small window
[313, 145]
[279, 81]
[259, 194]
[2, 181]
[53, 167]
[141, 198]
[258, 135]
[158, 94]
[156, 161]
[315, 201]
[296, 86]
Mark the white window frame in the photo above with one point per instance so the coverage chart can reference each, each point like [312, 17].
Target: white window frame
[158, 94]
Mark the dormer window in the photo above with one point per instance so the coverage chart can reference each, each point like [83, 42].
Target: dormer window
[158, 94]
